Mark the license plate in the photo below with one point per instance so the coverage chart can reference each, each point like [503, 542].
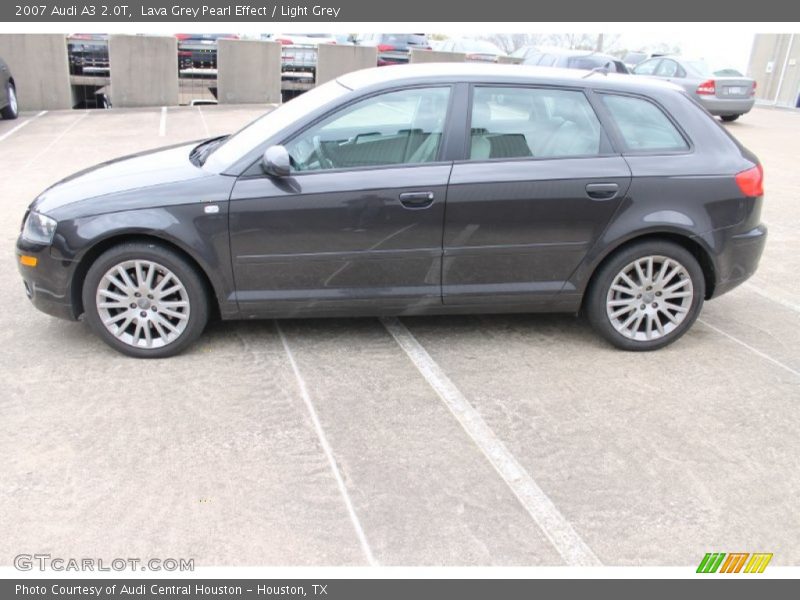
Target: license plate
[737, 90]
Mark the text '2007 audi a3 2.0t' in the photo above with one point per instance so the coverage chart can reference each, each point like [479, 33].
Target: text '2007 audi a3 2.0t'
[412, 190]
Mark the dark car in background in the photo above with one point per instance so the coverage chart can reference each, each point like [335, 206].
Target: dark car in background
[725, 96]
[412, 190]
[9, 107]
[575, 59]
[199, 50]
[88, 54]
[394, 48]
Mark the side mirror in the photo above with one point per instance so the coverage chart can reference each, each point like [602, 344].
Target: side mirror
[275, 162]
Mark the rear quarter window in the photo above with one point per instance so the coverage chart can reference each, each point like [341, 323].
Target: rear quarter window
[643, 126]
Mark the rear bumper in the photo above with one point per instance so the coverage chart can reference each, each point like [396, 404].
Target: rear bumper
[393, 59]
[739, 258]
[722, 107]
[47, 285]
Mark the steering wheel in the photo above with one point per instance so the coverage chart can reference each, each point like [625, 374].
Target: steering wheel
[324, 161]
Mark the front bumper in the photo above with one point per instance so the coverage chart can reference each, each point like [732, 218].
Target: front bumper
[739, 258]
[48, 284]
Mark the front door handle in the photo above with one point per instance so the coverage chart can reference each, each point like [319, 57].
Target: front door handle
[602, 191]
[416, 200]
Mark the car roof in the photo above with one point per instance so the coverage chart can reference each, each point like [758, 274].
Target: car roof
[496, 73]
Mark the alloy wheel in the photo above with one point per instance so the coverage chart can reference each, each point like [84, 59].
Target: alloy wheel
[649, 298]
[143, 304]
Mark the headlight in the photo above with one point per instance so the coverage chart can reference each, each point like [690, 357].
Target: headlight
[39, 228]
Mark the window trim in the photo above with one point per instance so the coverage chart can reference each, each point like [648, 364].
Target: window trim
[620, 139]
[605, 138]
[249, 174]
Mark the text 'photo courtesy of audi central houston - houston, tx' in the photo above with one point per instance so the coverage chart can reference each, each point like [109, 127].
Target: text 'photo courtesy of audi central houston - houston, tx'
[412, 190]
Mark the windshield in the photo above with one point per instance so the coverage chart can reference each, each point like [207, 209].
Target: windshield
[480, 46]
[251, 136]
[634, 58]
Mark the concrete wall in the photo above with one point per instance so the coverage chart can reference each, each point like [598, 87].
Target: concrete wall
[248, 71]
[776, 56]
[430, 56]
[334, 60]
[144, 70]
[40, 68]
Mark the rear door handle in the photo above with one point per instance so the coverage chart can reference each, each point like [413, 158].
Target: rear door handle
[602, 191]
[416, 200]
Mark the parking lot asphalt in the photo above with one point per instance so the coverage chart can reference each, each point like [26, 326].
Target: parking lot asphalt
[464, 440]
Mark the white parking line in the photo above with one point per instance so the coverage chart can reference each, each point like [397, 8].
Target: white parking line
[773, 297]
[13, 130]
[203, 119]
[326, 447]
[55, 140]
[162, 126]
[763, 355]
[564, 538]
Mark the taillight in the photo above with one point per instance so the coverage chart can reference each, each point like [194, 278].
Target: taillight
[284, 41]
[751, 181]
[707, 88]
[385, 48]
[753, 89]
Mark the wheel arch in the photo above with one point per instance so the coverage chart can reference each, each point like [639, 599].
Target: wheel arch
[683, 240]
[91, 255]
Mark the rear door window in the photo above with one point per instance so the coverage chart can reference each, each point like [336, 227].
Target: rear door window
[643, 126]
[518, 122]
[648, 67]
[667, 68]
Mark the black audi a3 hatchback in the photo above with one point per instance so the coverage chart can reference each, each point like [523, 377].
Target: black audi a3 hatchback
[412, 190]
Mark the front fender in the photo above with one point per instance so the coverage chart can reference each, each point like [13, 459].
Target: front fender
[202, 235]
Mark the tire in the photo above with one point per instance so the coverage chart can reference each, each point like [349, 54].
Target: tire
[729, 118]
[12, 110]
[671, 298]
[139, 325]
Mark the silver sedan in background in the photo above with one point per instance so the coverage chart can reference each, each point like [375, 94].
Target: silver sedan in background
[728, 97]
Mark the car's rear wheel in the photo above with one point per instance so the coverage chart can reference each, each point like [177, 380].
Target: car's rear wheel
[729, 118]
[145, 300]
[646, 296]
[12, 110]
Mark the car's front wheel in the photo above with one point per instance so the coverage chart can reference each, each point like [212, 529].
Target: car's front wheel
[12, 110]
[145, 300]
[646, 296]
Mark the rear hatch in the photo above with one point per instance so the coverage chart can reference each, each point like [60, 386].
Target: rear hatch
[397, 46]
